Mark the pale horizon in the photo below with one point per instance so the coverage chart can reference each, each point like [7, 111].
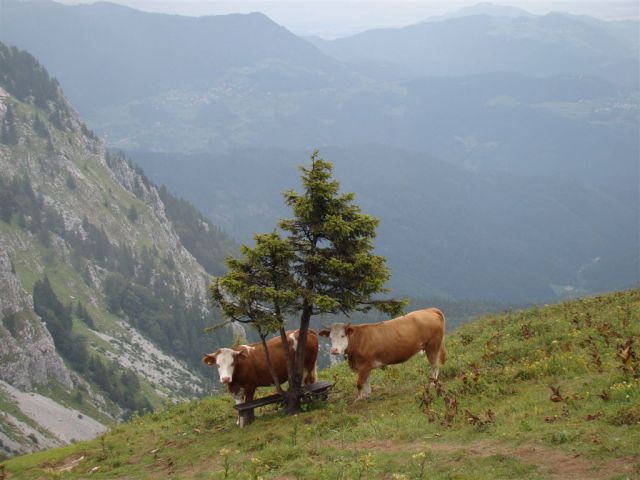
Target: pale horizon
[339, 18]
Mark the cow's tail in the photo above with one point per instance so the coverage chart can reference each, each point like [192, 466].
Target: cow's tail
[443, 349]
[443, 352]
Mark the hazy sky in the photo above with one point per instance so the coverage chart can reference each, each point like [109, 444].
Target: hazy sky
[335, 18]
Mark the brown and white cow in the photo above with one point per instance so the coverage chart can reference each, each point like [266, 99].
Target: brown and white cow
[244, 368]
[376, 345]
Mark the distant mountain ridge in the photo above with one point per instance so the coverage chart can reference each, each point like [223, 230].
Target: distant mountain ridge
[104, 52]
[483, 8]
[533, 45]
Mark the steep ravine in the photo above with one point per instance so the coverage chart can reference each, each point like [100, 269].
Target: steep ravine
[125, 302]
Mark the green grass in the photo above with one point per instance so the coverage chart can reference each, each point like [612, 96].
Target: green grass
[499, 370]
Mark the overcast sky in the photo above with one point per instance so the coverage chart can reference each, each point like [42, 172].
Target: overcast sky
[335, 18]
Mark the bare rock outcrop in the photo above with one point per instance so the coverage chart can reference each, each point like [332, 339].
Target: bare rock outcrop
[27, 353]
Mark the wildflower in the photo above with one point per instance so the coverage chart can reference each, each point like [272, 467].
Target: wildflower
[366, 460]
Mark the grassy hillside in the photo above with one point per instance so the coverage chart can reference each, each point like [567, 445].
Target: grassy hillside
[493, 418]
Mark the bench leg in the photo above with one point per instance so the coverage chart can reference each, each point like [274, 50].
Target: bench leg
[246, 418]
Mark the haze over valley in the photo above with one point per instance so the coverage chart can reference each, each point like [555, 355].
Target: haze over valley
[492, 134]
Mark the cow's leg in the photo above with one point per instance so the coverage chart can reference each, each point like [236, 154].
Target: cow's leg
[433, 354]
[310, 376]
[239, 398]
[363, 382]
[366, 389]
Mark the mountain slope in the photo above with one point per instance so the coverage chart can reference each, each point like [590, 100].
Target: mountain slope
[125, 54]
[483, 8]
[445, 230]
[115, 321]
[170, 83]
[546, 45]
[494, 416]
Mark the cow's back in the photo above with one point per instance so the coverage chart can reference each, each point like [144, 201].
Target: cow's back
[397, 340]
[258, 362]
[254, 371]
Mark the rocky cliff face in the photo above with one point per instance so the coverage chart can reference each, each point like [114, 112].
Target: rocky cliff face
[134, 298]
[192, 276]
[27, 353]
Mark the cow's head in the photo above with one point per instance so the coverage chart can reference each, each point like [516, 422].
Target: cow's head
[339, 336]
[225, 359]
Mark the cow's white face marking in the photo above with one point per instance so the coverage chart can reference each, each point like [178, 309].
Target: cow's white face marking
[225, 360]
[339, 339]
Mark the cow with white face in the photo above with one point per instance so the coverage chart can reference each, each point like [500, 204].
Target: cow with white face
[376, 345]
[243, 369]
[225, 359]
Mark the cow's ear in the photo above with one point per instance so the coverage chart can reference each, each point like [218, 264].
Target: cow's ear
[348, 329]
[209, 358]
[324, 332]
[240, 353]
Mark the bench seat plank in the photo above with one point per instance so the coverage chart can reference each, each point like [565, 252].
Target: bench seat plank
[260, 402]
[317, 388]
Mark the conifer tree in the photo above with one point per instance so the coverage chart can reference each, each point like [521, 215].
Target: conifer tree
[325, 265]
[9, 134]
[259, 289]
[334, 265]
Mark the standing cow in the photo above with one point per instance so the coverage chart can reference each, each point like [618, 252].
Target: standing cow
[376, 345]
[243, 369]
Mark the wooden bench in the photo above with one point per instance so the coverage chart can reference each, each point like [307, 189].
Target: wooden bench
[310, 392]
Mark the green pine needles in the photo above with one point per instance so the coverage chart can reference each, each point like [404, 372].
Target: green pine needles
[321, 261]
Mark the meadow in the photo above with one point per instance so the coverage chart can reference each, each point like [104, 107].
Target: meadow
[548, 392]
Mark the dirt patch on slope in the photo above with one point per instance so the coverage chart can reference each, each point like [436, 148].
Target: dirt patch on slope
[554, 463]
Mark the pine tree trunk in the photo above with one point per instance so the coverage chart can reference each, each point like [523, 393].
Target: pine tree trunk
[274, 376]
[288, 354]
[295, 387]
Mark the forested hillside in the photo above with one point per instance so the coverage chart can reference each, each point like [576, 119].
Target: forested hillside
[115, 268]
[446, 231]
